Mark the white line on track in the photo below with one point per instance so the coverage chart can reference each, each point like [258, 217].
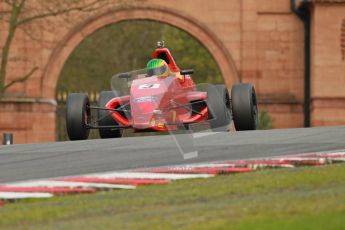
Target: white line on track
[23, 195]
[193, 166]
[51, 183]
[337, 153]
[321, 153]
[144, 175]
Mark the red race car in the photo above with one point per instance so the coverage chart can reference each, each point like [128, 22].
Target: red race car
[161, 97]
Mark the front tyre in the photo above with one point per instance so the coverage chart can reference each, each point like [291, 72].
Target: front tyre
[105, 116]
[218, 105]
[78, 116]
[244, 107]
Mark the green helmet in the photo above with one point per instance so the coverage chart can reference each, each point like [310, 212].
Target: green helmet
[157, 67]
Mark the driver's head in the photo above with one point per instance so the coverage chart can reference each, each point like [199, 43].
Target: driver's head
[157, 67]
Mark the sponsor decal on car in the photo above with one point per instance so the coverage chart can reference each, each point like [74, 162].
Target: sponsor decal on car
[149, 86]
[145, 99]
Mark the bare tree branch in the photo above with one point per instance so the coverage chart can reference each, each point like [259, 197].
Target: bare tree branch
[20, 14]
[22, 79]
[7, 45]
[85, 8]
[37, 38]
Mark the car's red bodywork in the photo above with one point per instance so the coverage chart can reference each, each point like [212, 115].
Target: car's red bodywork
[160, 103]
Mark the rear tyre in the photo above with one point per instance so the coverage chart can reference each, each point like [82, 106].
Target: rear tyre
[78, 116]
[244, 107]
[104, 97]
[218, 105]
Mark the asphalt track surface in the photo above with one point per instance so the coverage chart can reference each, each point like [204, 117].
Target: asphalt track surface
[36, 161]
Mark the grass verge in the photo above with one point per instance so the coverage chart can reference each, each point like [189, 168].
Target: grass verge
[301, 198]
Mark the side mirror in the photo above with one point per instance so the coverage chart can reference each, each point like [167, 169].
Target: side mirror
[124, 76]
[187, 71]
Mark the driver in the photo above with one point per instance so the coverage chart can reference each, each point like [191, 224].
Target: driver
[158, 67]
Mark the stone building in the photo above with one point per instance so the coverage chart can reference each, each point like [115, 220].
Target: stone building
[292, 51]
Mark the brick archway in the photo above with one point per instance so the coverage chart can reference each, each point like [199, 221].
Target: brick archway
[191, 25]
[265, 42]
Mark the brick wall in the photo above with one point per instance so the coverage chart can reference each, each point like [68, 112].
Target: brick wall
[28, 119]
[272, 58]
[328, 65]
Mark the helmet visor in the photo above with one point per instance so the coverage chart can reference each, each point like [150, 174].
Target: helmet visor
[157, 71]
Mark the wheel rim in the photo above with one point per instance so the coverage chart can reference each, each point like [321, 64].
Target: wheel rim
[255, 109]
[87, 115]
[227, 104]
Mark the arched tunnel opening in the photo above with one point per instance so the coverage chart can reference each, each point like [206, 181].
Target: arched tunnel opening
[125, 46]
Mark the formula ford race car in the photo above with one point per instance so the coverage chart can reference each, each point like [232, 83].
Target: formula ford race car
[161, 98]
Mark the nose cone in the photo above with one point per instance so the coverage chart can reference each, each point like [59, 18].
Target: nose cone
[149, 99]
[142, 114]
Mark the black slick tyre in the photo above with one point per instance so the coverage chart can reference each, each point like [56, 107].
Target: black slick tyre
[244, 107]
[77, 116]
